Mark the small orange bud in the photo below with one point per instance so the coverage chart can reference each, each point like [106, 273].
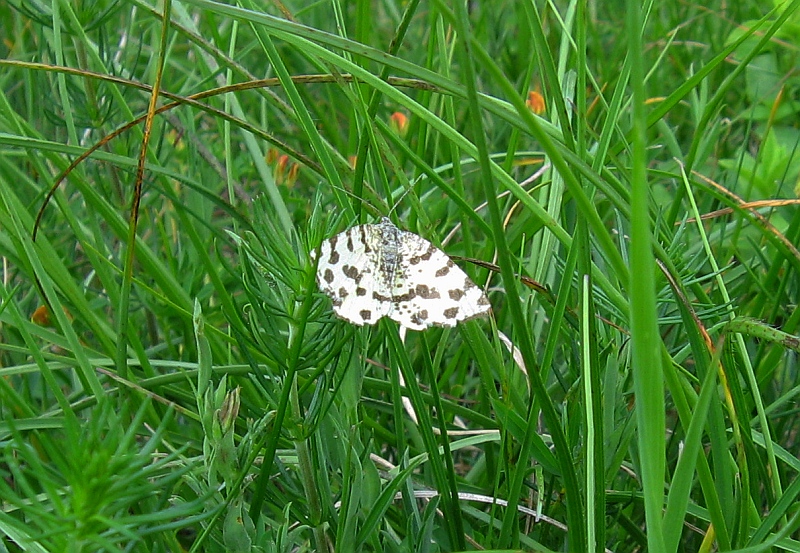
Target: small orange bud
[399, 123]
[352, 160]
[41, 316]
[280, 168]
[292, 176]
[282, 161]
[535, 102]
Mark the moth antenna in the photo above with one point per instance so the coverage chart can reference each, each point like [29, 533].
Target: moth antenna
[406, 191]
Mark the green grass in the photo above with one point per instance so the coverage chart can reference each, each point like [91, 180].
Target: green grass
[635, 388]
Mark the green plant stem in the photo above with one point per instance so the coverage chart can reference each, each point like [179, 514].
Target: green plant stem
[307, 474]
[647, 370]
[296, 336]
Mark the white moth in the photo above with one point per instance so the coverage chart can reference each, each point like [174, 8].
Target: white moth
[375, 271]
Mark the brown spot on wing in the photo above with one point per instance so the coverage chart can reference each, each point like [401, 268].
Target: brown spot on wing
[426, 292]
[413, 260]
[380, 297]
[420, 318]
[352, 272]
[403, 298]
[456, 294]
[362, 233]
[444, 270]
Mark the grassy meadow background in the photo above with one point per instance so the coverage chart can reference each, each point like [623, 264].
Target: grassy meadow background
[620, 177]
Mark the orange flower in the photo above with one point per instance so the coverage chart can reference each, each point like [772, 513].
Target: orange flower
[41, 316]
[535, 102]
[285, 171]
[399, 123]
[283, 160]
[292, 176]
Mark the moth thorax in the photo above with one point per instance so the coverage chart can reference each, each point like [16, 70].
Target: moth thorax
[390, 253]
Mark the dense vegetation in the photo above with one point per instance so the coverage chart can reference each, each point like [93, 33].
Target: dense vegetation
[620, 178]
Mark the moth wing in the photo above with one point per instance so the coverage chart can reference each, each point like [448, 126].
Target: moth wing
[349, 273]
[429, 289]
